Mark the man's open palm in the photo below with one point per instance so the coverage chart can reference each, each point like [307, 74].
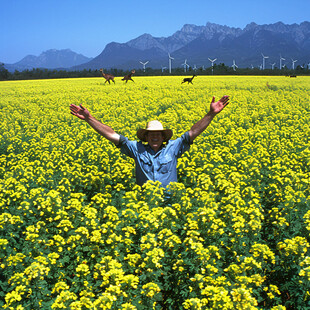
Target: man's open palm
[79, 111]
[217, 107]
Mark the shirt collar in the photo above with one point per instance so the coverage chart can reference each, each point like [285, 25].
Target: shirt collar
[152, 152]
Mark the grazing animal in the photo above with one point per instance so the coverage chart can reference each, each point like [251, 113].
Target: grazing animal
[128, 76]
[108, 77]
[188, 80]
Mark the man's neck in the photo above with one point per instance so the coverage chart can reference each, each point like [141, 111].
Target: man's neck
[155, 149]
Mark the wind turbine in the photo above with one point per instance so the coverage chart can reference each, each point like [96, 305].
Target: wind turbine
[170, 58]
[212, 61]
[195, 68]
[144, 63]
[281, 58]
[185, 65]
[264, 57]
[272, 65]
[163, 68]
[293, 63]
[234, 65]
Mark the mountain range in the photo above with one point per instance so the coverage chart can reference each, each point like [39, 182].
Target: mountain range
[50, 59]
[196, 44]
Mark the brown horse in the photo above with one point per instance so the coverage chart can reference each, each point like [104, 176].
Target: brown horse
[108, 77]
[188, 80]
[128, 76]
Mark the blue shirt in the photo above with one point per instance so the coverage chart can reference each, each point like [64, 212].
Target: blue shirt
[160, 166]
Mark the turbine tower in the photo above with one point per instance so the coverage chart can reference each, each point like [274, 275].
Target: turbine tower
[234, 65]
[144, 63]
[272, 65]
[264, 57]
[185, 65]
[293, 63]
[170, 58]
[212, 61]
[281, 58]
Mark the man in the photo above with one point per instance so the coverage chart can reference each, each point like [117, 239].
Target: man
[157, 160]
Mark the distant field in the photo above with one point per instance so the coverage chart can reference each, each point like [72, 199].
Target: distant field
[77, 233]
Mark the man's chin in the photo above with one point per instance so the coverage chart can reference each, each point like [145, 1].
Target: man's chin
[155, 146]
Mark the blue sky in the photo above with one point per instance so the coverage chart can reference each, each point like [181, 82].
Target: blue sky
[29, 27]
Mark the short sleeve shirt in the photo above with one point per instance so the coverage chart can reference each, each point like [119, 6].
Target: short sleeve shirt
[160, 166]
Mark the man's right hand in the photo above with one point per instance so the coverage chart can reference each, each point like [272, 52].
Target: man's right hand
[79, 111]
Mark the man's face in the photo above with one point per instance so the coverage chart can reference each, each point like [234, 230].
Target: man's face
[155, 139]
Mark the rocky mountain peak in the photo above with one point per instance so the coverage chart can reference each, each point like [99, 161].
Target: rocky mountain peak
[190, 28]
[144, 42]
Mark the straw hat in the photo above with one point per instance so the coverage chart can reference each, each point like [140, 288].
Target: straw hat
[154, 126]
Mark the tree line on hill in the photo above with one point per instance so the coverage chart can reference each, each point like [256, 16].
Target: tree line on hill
[220, 69]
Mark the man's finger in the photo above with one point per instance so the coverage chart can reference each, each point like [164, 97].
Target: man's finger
[224, 98]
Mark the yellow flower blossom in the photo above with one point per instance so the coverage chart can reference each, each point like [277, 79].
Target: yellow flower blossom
[150, 289]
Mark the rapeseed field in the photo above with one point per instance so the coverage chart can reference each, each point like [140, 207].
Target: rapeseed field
[77, 233]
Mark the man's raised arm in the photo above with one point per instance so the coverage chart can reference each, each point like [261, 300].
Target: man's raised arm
[104, 130]
[215, 108]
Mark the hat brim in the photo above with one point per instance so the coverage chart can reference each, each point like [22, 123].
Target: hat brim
[167, 133]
